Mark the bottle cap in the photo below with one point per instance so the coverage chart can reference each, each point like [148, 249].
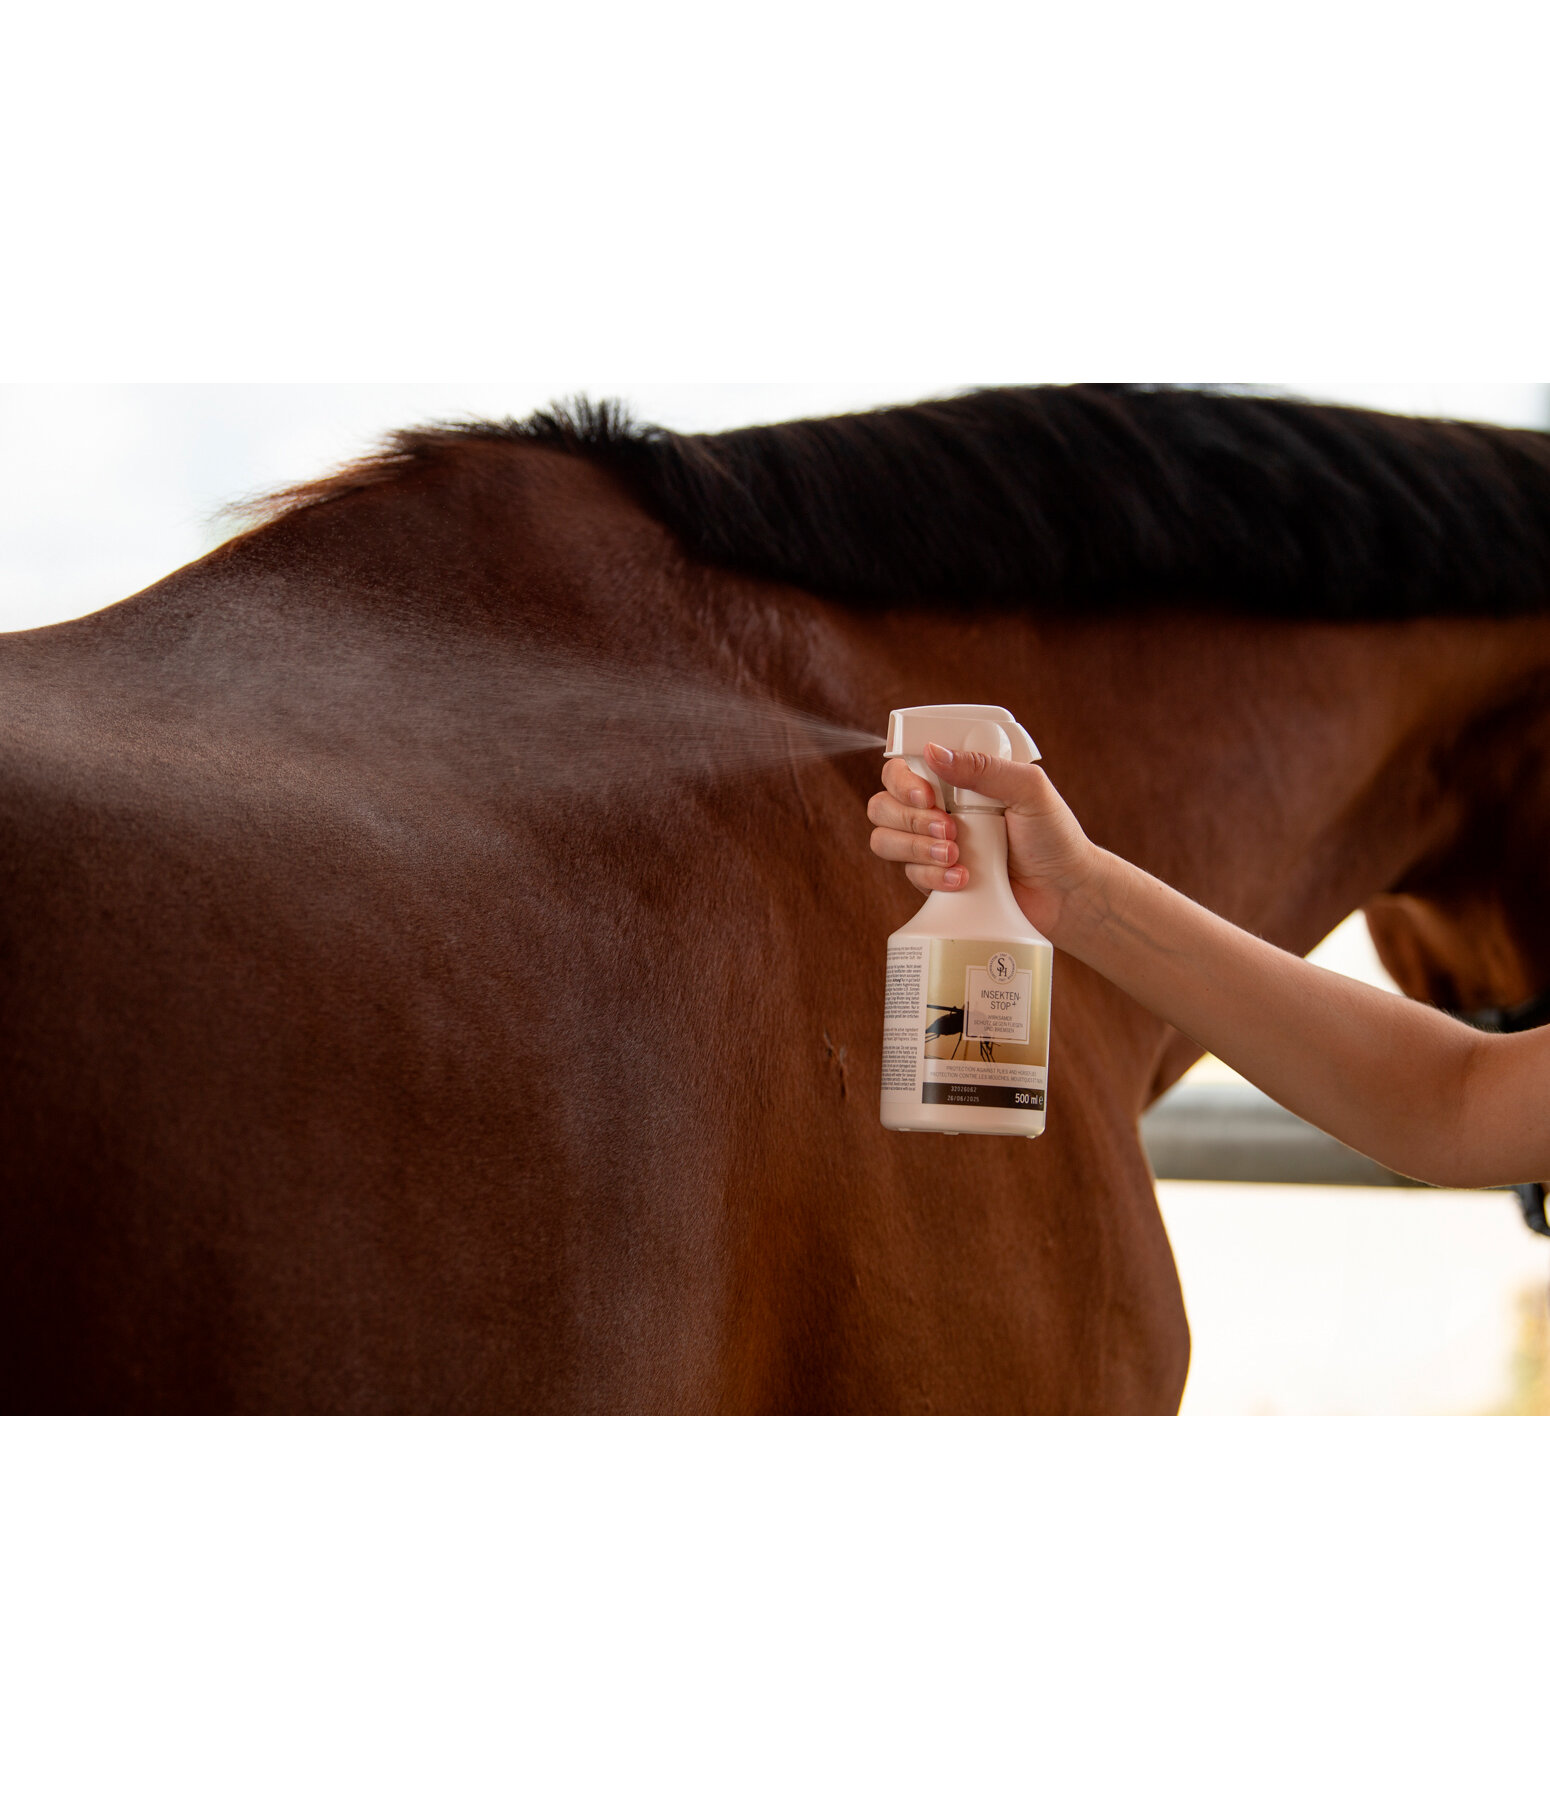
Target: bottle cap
[991, 729]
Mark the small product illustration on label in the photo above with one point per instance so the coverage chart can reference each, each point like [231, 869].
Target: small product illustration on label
[986, 1027]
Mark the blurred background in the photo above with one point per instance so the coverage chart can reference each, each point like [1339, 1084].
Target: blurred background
[1301, 1299]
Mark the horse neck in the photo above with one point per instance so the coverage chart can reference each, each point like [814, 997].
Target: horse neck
[1282, 773]
[1279, 772]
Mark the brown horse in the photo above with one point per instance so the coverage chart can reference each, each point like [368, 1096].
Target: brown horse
[406, 1009]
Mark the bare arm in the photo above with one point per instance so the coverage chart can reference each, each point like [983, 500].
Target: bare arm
[1402, 1083]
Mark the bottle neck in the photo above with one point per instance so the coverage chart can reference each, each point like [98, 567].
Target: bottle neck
[986, 907]
[982, 851]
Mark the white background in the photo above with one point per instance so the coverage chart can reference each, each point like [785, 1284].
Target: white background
[893, 196]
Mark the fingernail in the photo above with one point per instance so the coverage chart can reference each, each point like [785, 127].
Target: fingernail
[955, 878]
[942, 852]
[919, 797]
[937, 828]
[940, 752]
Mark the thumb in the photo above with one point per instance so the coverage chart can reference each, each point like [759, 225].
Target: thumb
[991, 776]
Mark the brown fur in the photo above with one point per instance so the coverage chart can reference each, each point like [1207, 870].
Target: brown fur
[284, 937]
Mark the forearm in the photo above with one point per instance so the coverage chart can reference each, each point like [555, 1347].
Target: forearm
[1413, 1089]
[1383, 1074]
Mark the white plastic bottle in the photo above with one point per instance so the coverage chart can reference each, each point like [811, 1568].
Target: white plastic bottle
[966, 1019]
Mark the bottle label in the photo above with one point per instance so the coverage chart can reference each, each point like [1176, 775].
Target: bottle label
[966, 1023]
[997, 1000]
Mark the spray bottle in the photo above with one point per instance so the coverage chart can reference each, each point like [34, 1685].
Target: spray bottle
[966, 1020]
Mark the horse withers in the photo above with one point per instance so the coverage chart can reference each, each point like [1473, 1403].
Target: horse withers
[376, 1040]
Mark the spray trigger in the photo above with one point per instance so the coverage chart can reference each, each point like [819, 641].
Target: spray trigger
[990, 729]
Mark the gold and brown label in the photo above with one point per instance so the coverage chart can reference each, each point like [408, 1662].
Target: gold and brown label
[967, 1023]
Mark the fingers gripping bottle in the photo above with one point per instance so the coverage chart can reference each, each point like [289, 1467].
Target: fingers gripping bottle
[966, 1019]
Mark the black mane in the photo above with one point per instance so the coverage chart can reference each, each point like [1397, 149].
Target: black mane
[1092, 494]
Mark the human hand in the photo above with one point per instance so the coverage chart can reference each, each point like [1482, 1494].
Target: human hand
[1050, 859]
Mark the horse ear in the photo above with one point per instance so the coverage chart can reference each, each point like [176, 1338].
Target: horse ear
[1405, 933]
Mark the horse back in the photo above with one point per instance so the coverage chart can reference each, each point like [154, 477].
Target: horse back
[350, 1065]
